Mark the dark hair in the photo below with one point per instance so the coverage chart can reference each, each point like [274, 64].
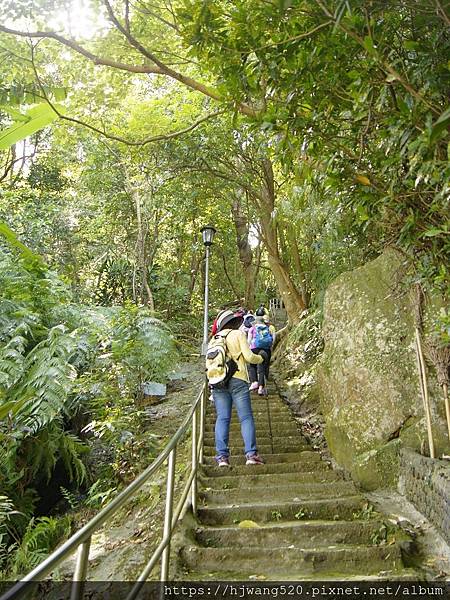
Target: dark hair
[260, 312]
[234, 323]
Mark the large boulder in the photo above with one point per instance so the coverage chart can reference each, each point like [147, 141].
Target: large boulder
[367, 376]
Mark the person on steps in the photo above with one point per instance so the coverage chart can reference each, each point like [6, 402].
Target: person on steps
[249, 319]
[261, 337]
[269, 352]
[240, 312]
[263, 311]
[236, 393]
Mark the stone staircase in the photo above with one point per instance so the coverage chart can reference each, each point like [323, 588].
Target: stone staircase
[293, 518]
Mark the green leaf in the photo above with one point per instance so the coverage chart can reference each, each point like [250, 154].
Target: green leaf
[13, 241]
[404, 108]
[59, 93]
[410, 45]
[15, 114]
[369, 45]
[354, 74]
[440, 125]
[11, 407]
[37, 118]
[363, 179]
[433, 232]
[391, 78]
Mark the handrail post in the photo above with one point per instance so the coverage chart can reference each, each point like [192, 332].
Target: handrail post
[194, 463]
[202, 422]
[79, 576]
[168, 513]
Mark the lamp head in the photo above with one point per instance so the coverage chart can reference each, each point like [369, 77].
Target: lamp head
[208, 233]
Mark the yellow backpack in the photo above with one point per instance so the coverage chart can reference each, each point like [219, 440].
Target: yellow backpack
[220, 367]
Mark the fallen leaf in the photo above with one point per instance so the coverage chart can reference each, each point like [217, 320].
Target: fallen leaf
[363, 179]
[248, 524]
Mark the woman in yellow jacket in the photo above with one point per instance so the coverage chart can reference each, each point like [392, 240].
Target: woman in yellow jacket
[236, 393]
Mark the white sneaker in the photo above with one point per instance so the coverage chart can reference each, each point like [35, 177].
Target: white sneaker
[254, 459]
[254, 386]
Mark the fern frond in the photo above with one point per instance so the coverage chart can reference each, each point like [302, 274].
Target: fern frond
[6, 510]
[69, 497]
[40, 538]
[46, 381]
[71, 448]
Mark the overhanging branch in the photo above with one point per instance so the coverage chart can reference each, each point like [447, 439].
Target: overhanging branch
[110, 136]
[158, 67]
[166, 70]
[97, 60]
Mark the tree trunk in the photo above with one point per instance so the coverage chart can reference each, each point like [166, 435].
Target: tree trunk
[290, 295]
[245, 252]
[298, 265]
[145, 294]
[193, 272]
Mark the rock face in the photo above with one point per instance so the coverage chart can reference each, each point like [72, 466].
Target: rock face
[367, 376]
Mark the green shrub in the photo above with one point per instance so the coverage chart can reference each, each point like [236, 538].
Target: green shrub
[60, 361]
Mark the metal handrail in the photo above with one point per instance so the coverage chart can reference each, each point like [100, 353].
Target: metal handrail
[81, 540]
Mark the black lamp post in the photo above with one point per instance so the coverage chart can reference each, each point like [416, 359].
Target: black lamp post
[208, 233]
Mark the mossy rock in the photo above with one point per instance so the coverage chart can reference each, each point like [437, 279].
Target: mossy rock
[378, 468]
[367, 375]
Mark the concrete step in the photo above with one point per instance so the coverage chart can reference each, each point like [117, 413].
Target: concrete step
[278, 562]
[239, 459]
[258, 407]
[289, 491]
[238, 448]
[263, 449]
[257, 400]
[327, 509]
[259, 403]
[261, 423]
[266, 436]
[274, 468]
[261, 419]
[259, 410]
[275, 429]
[316, 579]
[297, 534]
[277, 435]
[211, 419]
[229, 480]
[235, 441]
[279, 413]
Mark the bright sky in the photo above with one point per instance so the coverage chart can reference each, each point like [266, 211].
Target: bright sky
[80, 21]
[75, 18]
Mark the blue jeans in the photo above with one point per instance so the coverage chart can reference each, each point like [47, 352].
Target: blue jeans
[238, 394]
